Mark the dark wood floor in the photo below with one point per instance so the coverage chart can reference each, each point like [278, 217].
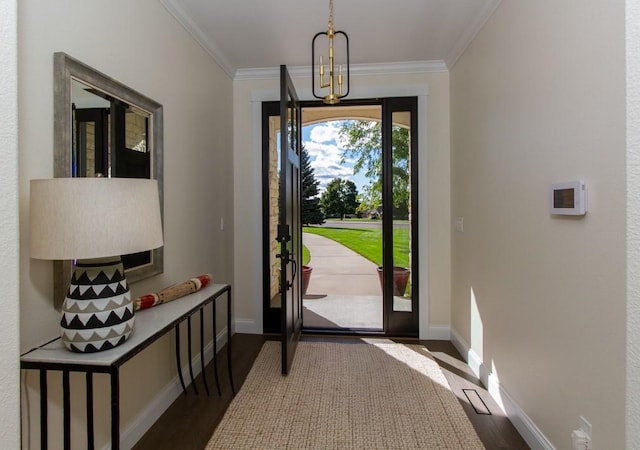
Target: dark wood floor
[191, 419]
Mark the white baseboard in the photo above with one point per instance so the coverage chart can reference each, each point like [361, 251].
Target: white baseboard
[149, 415]
[439, 332]
[247, 326]
[523, 423]
[464, 349]
[520, 420]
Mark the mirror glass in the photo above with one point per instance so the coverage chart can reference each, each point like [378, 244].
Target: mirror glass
[104, 128]
[109, 136]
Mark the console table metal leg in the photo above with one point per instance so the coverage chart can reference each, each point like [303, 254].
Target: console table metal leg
[233, 389]
[115, 409]
[66, 400]
[215, 350]
[90, 430]
[43, 410]
[184, 388]
[43, 360]
[193, 381]
[204, 374]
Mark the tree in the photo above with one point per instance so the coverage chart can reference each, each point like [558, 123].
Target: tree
[370, 199]
[364, 144]
[311, 212]
[340, 198]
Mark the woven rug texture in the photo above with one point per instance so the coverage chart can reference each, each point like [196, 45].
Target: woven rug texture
[378, 395]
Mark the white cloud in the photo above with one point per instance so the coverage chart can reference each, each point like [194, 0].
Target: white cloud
[317, 149]
[327, 132]
[326, 154]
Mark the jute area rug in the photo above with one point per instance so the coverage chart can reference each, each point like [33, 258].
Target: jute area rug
[378, 395]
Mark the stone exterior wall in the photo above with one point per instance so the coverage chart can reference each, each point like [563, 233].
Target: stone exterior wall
[136, 132]
[274, 210]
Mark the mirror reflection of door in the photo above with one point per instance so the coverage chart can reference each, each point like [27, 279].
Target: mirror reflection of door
[110, 140]
[91, 142]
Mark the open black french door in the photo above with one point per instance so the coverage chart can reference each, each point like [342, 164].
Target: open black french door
[289, 224]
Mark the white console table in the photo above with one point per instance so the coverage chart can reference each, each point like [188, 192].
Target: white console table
[150, 325]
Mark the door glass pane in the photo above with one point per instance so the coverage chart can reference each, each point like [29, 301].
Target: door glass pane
[274, 210]
[87, 145]
[401, 190]
[344, 247]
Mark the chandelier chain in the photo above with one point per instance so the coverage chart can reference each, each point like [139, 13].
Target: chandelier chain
[336, 80]
[331, 14]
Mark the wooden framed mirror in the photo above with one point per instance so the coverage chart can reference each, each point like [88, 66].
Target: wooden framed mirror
[104, 128]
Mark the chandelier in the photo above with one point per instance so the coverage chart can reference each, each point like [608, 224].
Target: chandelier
[336, 81]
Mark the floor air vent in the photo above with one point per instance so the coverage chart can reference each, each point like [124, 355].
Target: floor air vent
[476, 401]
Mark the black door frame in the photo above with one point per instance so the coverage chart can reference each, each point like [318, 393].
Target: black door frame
[400, 324]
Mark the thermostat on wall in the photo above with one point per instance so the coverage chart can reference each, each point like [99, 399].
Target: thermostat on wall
[569, 198]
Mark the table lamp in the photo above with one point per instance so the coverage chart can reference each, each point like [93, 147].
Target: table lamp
[93, 221]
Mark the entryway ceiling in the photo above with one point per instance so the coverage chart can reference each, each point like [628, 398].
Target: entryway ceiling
[253, 34]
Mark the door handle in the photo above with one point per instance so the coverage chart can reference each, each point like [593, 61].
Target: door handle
[285, 256]
[295, 271]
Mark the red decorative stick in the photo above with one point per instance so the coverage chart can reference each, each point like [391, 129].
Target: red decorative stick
[172, 292]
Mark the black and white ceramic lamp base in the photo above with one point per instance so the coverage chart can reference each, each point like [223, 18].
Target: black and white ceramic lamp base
[97, 313]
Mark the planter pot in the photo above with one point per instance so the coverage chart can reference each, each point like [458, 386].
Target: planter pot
[400, 280]
[306, 276]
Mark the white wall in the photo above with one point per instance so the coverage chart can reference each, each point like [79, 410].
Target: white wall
[433, 191]
[9, 332]
[141, 45]
[633, 222]
[538, 98]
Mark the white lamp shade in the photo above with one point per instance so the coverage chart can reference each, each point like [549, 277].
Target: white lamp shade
[81, 218]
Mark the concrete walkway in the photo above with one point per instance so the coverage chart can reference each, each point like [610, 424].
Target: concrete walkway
[344, 291]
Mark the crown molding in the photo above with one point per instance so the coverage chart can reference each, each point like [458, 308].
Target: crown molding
[197, 34]
[408, 67]
[267, 73]
[471, 32]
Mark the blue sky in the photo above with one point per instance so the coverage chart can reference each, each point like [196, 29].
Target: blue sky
[325, 153]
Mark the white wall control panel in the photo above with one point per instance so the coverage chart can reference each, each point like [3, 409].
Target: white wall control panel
[568, 198]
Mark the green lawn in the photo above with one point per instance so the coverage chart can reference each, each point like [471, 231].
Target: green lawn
[306, 256]
[356, 219]
[368, 242]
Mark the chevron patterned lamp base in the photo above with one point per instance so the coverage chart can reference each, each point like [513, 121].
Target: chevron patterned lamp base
[97, 313]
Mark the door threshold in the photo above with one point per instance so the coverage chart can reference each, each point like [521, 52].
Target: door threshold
[343, 332]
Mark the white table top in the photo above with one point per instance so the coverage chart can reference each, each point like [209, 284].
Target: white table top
[148, 323]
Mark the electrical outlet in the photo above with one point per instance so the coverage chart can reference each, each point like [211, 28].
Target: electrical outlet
[585, 426]
[580, 440]
[582, 436]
